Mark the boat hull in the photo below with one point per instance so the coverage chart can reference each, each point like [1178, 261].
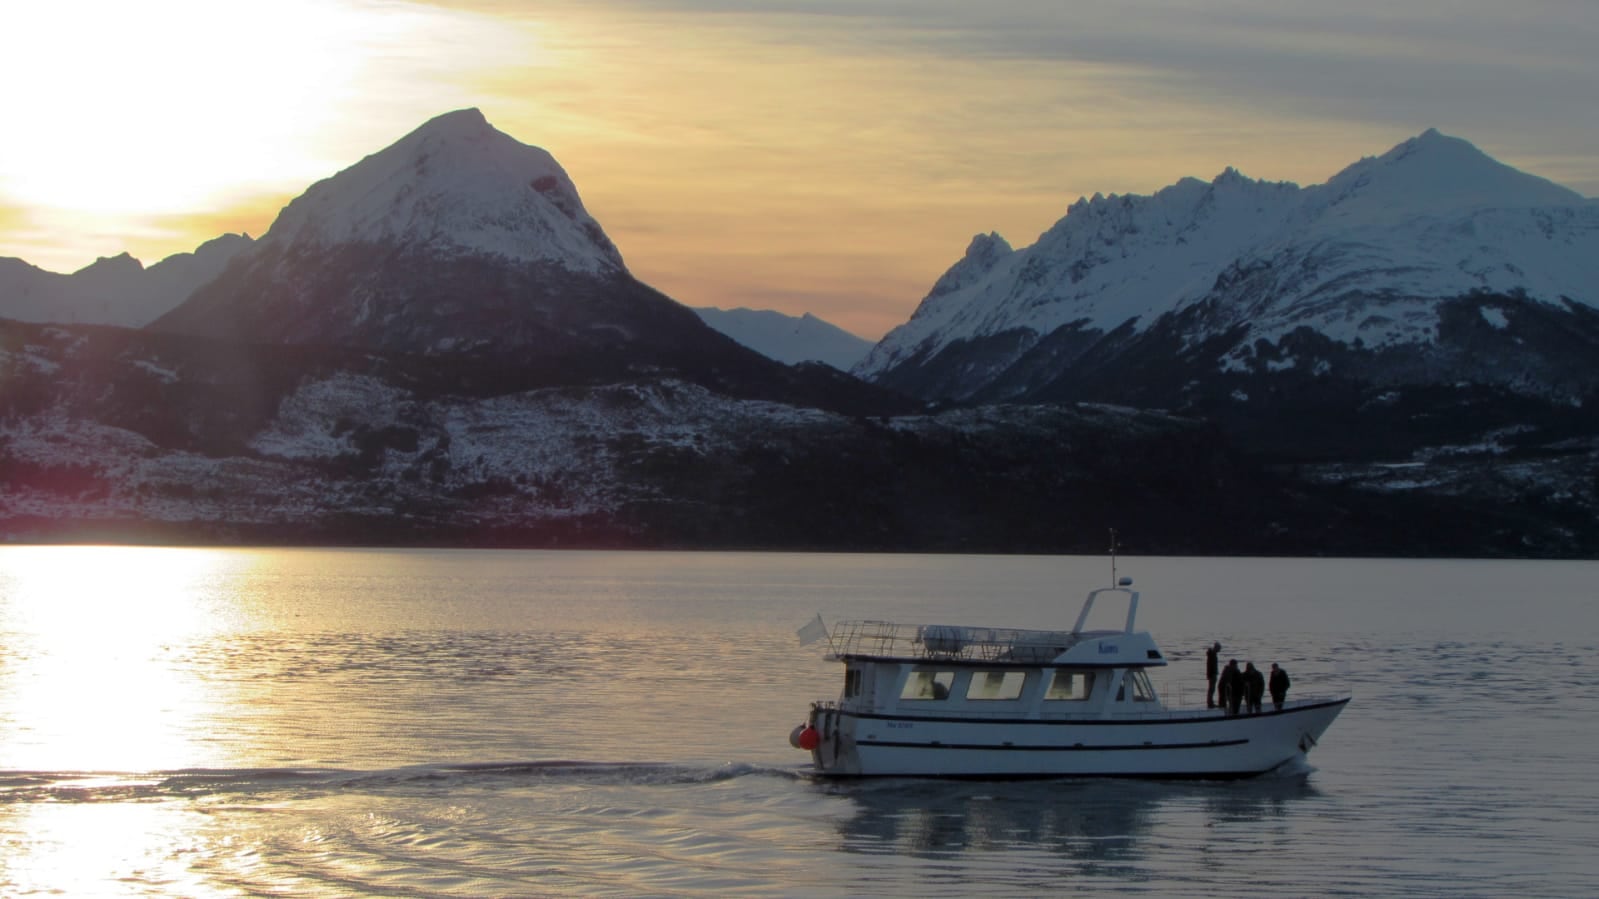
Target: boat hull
[1199, 744]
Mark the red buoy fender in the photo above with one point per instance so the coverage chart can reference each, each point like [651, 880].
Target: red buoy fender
[809, 739]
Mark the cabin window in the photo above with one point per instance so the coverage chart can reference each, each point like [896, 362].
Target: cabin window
[928, 685]
[996, 685]
[1143, 690]
[1071, 685]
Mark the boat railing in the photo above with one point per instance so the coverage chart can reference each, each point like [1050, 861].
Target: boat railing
[1169, 713]
[945, 642]
[1184, 697]
[1188, 711]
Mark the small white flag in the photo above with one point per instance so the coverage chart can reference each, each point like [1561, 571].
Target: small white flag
[813, 631]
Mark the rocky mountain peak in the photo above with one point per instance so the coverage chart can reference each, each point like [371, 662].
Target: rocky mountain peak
[118, 266]
[982, 254]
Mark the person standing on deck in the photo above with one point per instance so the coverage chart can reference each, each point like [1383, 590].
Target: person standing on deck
[1212, 664]
[1279, 686]
[1254, 687]
[1231, 690]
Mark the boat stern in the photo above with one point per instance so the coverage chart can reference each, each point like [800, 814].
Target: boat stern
[828, 737]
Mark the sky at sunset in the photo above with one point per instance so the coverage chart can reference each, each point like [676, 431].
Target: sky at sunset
[824, 156]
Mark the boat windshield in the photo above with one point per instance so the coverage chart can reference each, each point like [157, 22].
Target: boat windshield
[1143, 690]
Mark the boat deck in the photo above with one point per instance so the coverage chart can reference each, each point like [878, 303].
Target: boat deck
[1180, 712]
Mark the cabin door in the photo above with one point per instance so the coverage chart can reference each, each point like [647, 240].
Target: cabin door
[858, 687]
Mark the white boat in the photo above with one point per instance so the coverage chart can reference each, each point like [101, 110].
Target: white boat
[951, 701]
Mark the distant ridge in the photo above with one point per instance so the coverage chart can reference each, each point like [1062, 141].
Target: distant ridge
[789, 339]
[117, 290]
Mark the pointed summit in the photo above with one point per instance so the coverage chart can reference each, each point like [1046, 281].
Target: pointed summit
[469, 120]
[455, 184]
[1433, 174]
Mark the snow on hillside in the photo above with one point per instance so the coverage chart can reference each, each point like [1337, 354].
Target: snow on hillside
[1360, 256]
[455, 183]
[787, 338]
[569, 451]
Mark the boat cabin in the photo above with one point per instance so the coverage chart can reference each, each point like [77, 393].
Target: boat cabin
[943, 671]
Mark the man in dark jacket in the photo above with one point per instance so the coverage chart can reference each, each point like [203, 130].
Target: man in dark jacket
[1254, 687]
[1212, 664]
[1231, 687]
[1279, 686]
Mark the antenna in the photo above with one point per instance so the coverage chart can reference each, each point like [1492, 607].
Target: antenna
[1113, 557]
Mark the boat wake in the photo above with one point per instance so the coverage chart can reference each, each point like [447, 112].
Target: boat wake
[190, 783]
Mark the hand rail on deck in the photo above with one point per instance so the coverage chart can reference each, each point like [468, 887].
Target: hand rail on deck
[948, 642]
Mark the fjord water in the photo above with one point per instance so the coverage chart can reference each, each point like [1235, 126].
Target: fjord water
[196, 722]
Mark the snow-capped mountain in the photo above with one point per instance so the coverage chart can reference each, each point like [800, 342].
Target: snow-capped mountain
[787, 338]
[455, 239]
[1388, 265]
[116, 290]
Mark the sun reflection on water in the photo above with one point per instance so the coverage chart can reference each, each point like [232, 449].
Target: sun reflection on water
[91, 667]
[79, 849]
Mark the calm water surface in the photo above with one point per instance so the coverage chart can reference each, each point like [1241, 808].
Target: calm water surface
[200, 723]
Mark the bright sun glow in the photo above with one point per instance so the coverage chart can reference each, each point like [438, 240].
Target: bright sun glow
[139, 107]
